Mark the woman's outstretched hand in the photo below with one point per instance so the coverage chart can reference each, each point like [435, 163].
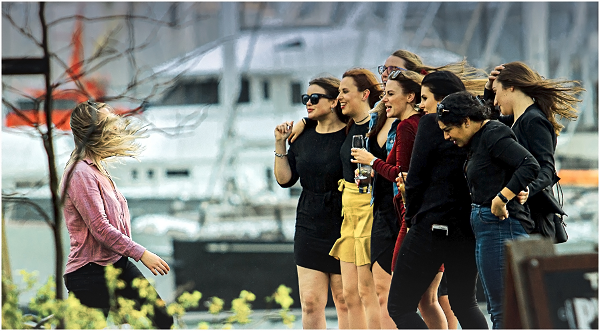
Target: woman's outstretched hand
[154, 263]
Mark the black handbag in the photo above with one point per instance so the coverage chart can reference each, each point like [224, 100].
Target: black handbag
[547, 213]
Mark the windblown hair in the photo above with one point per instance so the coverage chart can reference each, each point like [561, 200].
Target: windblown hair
[553, 97]
[410, 82]
[442, 83]
[331, 85]
[455, 108]
[364, 79]
[474, 79]
[99, 137]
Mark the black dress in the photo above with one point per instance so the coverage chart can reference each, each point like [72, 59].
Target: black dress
[314, 159]
[385, 223]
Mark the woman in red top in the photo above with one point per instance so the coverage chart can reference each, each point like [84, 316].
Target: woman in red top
[402, 95]
[96, 213]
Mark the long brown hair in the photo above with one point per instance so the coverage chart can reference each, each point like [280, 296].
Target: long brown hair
[364, 79]
[411, 83]
[473, 78]
[553, 97]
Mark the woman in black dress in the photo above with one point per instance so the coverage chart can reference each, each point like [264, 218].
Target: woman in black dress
[497, 168]
[314, 159]
[529, 104]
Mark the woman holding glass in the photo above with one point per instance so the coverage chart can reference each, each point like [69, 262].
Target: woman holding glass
[358, 93]
[313, 158]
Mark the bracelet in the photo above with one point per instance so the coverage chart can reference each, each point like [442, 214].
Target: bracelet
[279, 155]
[372, 161]
[502, 197]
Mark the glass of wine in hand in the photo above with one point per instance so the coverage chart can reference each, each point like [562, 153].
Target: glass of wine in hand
[364, 171]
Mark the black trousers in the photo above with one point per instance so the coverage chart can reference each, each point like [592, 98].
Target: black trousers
[89, 286]
[421, 255]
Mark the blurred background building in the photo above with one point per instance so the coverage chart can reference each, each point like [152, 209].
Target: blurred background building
[227, 74]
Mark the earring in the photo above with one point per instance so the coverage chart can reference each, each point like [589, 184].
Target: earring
[332, 109]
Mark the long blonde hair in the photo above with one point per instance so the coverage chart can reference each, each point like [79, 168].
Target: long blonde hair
[100, 137]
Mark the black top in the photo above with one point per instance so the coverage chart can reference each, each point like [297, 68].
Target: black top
[313, 158]
[496, 160]
[345, 150]
[534, 132]
[436, 188]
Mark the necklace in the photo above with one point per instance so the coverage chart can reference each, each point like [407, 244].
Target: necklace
[362, 119]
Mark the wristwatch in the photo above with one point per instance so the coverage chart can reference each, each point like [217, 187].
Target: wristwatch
[502, 197]
[372, 161]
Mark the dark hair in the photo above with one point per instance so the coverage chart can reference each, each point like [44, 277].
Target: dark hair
[443, 83]
[553, 97]
[331, 86]
[455, 108]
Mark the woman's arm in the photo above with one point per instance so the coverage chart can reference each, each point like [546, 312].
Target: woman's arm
[515, 156]
[399, 158]
[84, 192]
[284, 174]
[538, 134]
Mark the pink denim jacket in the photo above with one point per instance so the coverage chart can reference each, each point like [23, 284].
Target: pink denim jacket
[97, 217]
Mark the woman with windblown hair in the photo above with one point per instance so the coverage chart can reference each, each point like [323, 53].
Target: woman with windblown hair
[97, 216]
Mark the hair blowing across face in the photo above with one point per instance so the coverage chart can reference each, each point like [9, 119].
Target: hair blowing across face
[331, 86]
[100, 135]
[553, 97]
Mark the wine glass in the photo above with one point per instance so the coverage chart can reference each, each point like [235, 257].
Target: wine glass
[358, 141]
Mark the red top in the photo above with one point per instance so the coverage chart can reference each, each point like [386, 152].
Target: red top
[399, 157]
[97, 217]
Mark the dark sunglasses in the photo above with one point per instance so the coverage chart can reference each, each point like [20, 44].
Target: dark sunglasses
[383, 69]
[93, 104]
[314, 98]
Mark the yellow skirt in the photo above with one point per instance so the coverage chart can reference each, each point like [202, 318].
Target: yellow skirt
[354, 244]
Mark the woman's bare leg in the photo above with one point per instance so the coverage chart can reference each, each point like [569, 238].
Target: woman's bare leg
[430, 309]
[382, 287]
[313, 297]
[368, 296]
[356, 312]
[337, 291]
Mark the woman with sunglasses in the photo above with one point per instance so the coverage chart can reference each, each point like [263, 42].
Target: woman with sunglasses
[436, 193]
[529, 105]
[96, 213]
[358, 93]
[314, 159]
[497, 168]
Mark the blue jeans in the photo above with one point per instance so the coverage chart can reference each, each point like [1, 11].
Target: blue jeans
[491, 234]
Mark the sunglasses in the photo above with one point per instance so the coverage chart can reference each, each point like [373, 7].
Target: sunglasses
[383, 69]
[395, 73]
[314, 98]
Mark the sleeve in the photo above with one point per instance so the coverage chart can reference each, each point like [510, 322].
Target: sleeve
[507, 150]
[405, 138]
[538, 135]
[85, 194]
[420, 167]
[291, 158]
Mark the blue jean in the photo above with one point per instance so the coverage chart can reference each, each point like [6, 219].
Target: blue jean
[491, 234]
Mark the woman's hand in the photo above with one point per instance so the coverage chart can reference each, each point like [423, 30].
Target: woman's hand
[361, 156]
[523, 195]
[492, 76]
[154, 263]
[499, 208]
[283, 130]
[297, 131]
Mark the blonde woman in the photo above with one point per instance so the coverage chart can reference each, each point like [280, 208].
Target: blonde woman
[96, 213]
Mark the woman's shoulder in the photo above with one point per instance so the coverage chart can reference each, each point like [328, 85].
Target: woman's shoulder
[495, 130]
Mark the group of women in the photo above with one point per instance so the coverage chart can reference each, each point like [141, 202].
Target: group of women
[452, 173]
[452, 176]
